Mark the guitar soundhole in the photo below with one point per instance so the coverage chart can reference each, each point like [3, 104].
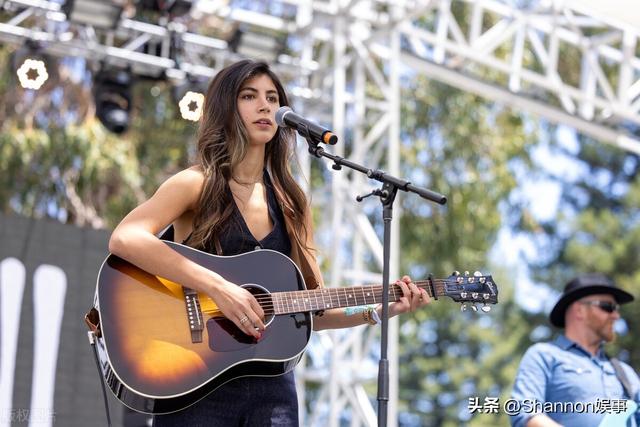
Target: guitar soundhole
[224, 335]
[264, 299]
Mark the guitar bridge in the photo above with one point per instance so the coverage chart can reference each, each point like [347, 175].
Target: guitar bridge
[194, 314]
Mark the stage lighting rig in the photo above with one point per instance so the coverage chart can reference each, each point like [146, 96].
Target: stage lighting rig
[112, 94]
[257, 44]
[172, 7]
[101, 14]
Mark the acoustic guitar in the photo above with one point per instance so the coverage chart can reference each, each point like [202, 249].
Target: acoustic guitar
[163, 347]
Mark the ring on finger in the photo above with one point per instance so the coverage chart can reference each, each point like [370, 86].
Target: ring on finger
[244, 319]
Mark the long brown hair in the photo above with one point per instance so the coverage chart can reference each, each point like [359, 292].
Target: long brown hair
[222, 144]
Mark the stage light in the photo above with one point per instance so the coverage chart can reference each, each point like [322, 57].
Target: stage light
[30, 63]
[103, 14]
[172, 7]
[32, 74]
[256, 45]
[189, 95]
[112, 94]
[191, 106]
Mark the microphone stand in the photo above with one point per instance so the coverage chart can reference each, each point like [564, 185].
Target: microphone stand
[387, 195]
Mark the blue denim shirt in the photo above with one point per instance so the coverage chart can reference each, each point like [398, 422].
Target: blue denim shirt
[563, 371]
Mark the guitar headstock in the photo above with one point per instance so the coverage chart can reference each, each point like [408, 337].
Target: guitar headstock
[474, 289]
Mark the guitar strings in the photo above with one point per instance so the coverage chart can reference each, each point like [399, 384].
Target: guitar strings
[335, 292]
[266, 300]
[267, 303]
[355, 290]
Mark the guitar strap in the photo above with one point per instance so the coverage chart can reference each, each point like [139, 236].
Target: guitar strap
[622, 377]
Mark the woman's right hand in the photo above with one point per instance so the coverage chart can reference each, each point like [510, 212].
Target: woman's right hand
[241, 307]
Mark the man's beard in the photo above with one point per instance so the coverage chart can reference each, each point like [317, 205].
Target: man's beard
[607, 333]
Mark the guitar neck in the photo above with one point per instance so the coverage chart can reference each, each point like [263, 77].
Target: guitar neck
[327, 298]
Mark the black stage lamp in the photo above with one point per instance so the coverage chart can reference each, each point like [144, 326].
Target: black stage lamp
[112, 94]
[257, 45]
[172, 7]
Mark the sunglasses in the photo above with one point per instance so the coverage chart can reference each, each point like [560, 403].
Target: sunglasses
[607, 306]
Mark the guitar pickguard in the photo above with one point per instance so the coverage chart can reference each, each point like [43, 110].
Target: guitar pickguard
[225, 336]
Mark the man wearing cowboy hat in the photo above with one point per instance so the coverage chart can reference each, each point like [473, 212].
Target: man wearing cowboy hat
[571, 381]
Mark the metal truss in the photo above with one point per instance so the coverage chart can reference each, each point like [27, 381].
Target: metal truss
[364, 89]
[553, 59]
[351, 67]
[343, 67]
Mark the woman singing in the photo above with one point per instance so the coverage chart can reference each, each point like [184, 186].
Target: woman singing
[239, 196]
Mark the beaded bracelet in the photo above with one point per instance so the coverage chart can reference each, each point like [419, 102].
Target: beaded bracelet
[369, 313]
[369, 316]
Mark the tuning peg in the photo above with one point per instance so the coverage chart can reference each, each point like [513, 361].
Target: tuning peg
[478, 275]
[486, 308]
[455, 273]
[474, 295]
[474, 308]
[463, 307]
[466, 273]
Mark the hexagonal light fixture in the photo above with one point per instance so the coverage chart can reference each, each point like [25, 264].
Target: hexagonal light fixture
[191, 106]
[32, 74]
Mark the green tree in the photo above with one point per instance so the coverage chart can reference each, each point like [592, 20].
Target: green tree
[596, 227]
[58, 161]
[467, 149]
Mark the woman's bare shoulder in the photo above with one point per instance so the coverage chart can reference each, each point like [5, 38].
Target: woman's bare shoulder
[184, 184]
[192, 174]
[192, 177]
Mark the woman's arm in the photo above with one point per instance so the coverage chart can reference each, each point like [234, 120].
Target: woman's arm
[134, 239]
[412, 299]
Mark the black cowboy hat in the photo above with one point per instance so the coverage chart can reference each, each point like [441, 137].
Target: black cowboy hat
[582, 286]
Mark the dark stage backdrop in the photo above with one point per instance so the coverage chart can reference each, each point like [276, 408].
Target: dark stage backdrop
[47, 281]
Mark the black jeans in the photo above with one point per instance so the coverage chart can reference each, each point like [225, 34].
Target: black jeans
[243, 402]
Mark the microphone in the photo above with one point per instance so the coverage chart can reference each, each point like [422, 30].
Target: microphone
[285, 117]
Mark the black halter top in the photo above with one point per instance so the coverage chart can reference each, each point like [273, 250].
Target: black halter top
[237, 238]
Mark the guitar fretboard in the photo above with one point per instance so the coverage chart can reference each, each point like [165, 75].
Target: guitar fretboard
[327, 298]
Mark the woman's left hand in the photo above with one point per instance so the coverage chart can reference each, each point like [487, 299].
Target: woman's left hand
[413, 298]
